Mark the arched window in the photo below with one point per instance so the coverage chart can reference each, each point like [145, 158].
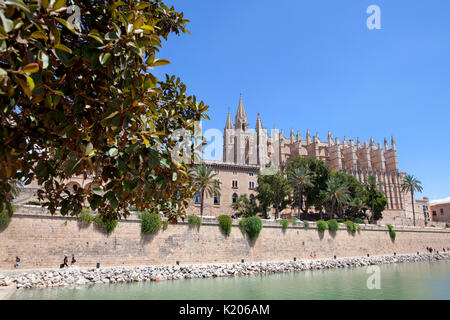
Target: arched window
[235, 197]
[252, 199]
[197, 198]
[216, 199]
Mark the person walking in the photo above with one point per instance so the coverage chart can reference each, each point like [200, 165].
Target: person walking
[16, 265]
[65, 263]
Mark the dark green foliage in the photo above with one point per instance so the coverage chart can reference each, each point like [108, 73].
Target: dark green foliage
[359, 221]
[340, 220]
[165, 224]
[108, 225]
[194, 221]
[244, 207]
[284, 223]
[320, 173]
[252, 226]
[225, 224]
[351, 226]
[86, 99]
[273, 190]
[151, 222]
[322, 225]
[305, 224]
[85, 216]
[333, 225]
[447, 225]
[391, 231]
[5, 219]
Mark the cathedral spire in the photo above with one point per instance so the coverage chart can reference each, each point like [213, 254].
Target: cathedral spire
[308, 137]
[385, 145]
[241, 117]
[229, 124]
[393, 144]
[259, 122]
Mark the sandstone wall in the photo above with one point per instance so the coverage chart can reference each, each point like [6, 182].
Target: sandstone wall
[41, 240]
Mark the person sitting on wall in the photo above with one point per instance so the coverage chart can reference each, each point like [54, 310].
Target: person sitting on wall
[73, 259]
[16, 265]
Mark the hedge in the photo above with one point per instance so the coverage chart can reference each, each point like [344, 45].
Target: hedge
[194, 221]
[109, 225]
[252, 226]
[151, 222]
[351, 226]
[5, 219]
[225, 224]
[391, 231]
[284, 223]
[333, 225]
[321, 225]
[85, 216]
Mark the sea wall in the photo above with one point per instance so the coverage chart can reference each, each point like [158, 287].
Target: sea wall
[42, 240]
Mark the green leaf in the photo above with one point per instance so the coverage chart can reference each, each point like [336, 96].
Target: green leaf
[31, 68]
[66, 24]
[160, 62]
[58, 4]
[39, 35]
[63, 48]
[17, 4]
[8, 24]
[104, 57]
[111, 36]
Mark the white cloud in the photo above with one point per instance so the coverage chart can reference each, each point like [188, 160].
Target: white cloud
[437, 201]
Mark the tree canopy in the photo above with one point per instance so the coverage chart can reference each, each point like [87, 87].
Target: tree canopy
[78, 98]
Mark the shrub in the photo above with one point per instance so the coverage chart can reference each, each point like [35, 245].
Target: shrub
[391, 231]
[351, 226]
[284, 223]
[359, 221]
[151, 222]
[109, 225]
[225, 224]
[306, 224]
[333, 225]
[322, 225]
[165, 224]
[447, 225]
[340, 220]
[252, 226]
[194, 221]
[85, 216]
[5, 219]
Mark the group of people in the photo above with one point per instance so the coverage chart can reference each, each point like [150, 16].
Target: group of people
[431, 250]
[64, 264]
[312, 254]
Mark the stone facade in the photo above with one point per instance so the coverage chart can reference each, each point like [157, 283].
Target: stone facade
[245, 148]
[42, 240]
[440, 212]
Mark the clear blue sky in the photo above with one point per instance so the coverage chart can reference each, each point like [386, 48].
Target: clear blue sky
[314, 64]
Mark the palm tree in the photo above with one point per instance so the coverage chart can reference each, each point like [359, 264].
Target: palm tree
[357, 205]
[371, 187]
[300, 178]
[411, 184]
[205, 182]
[337, 193]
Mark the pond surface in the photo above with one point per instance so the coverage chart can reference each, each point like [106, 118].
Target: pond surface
[421, 280]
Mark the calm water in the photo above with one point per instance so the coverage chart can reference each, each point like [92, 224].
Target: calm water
[398, 281]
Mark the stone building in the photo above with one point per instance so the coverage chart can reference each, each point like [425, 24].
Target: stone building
[440, 212]
[249, 150]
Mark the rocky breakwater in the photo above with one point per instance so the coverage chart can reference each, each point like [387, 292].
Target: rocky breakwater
[82, 276]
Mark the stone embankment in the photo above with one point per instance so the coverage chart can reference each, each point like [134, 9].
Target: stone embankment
[79, 277]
